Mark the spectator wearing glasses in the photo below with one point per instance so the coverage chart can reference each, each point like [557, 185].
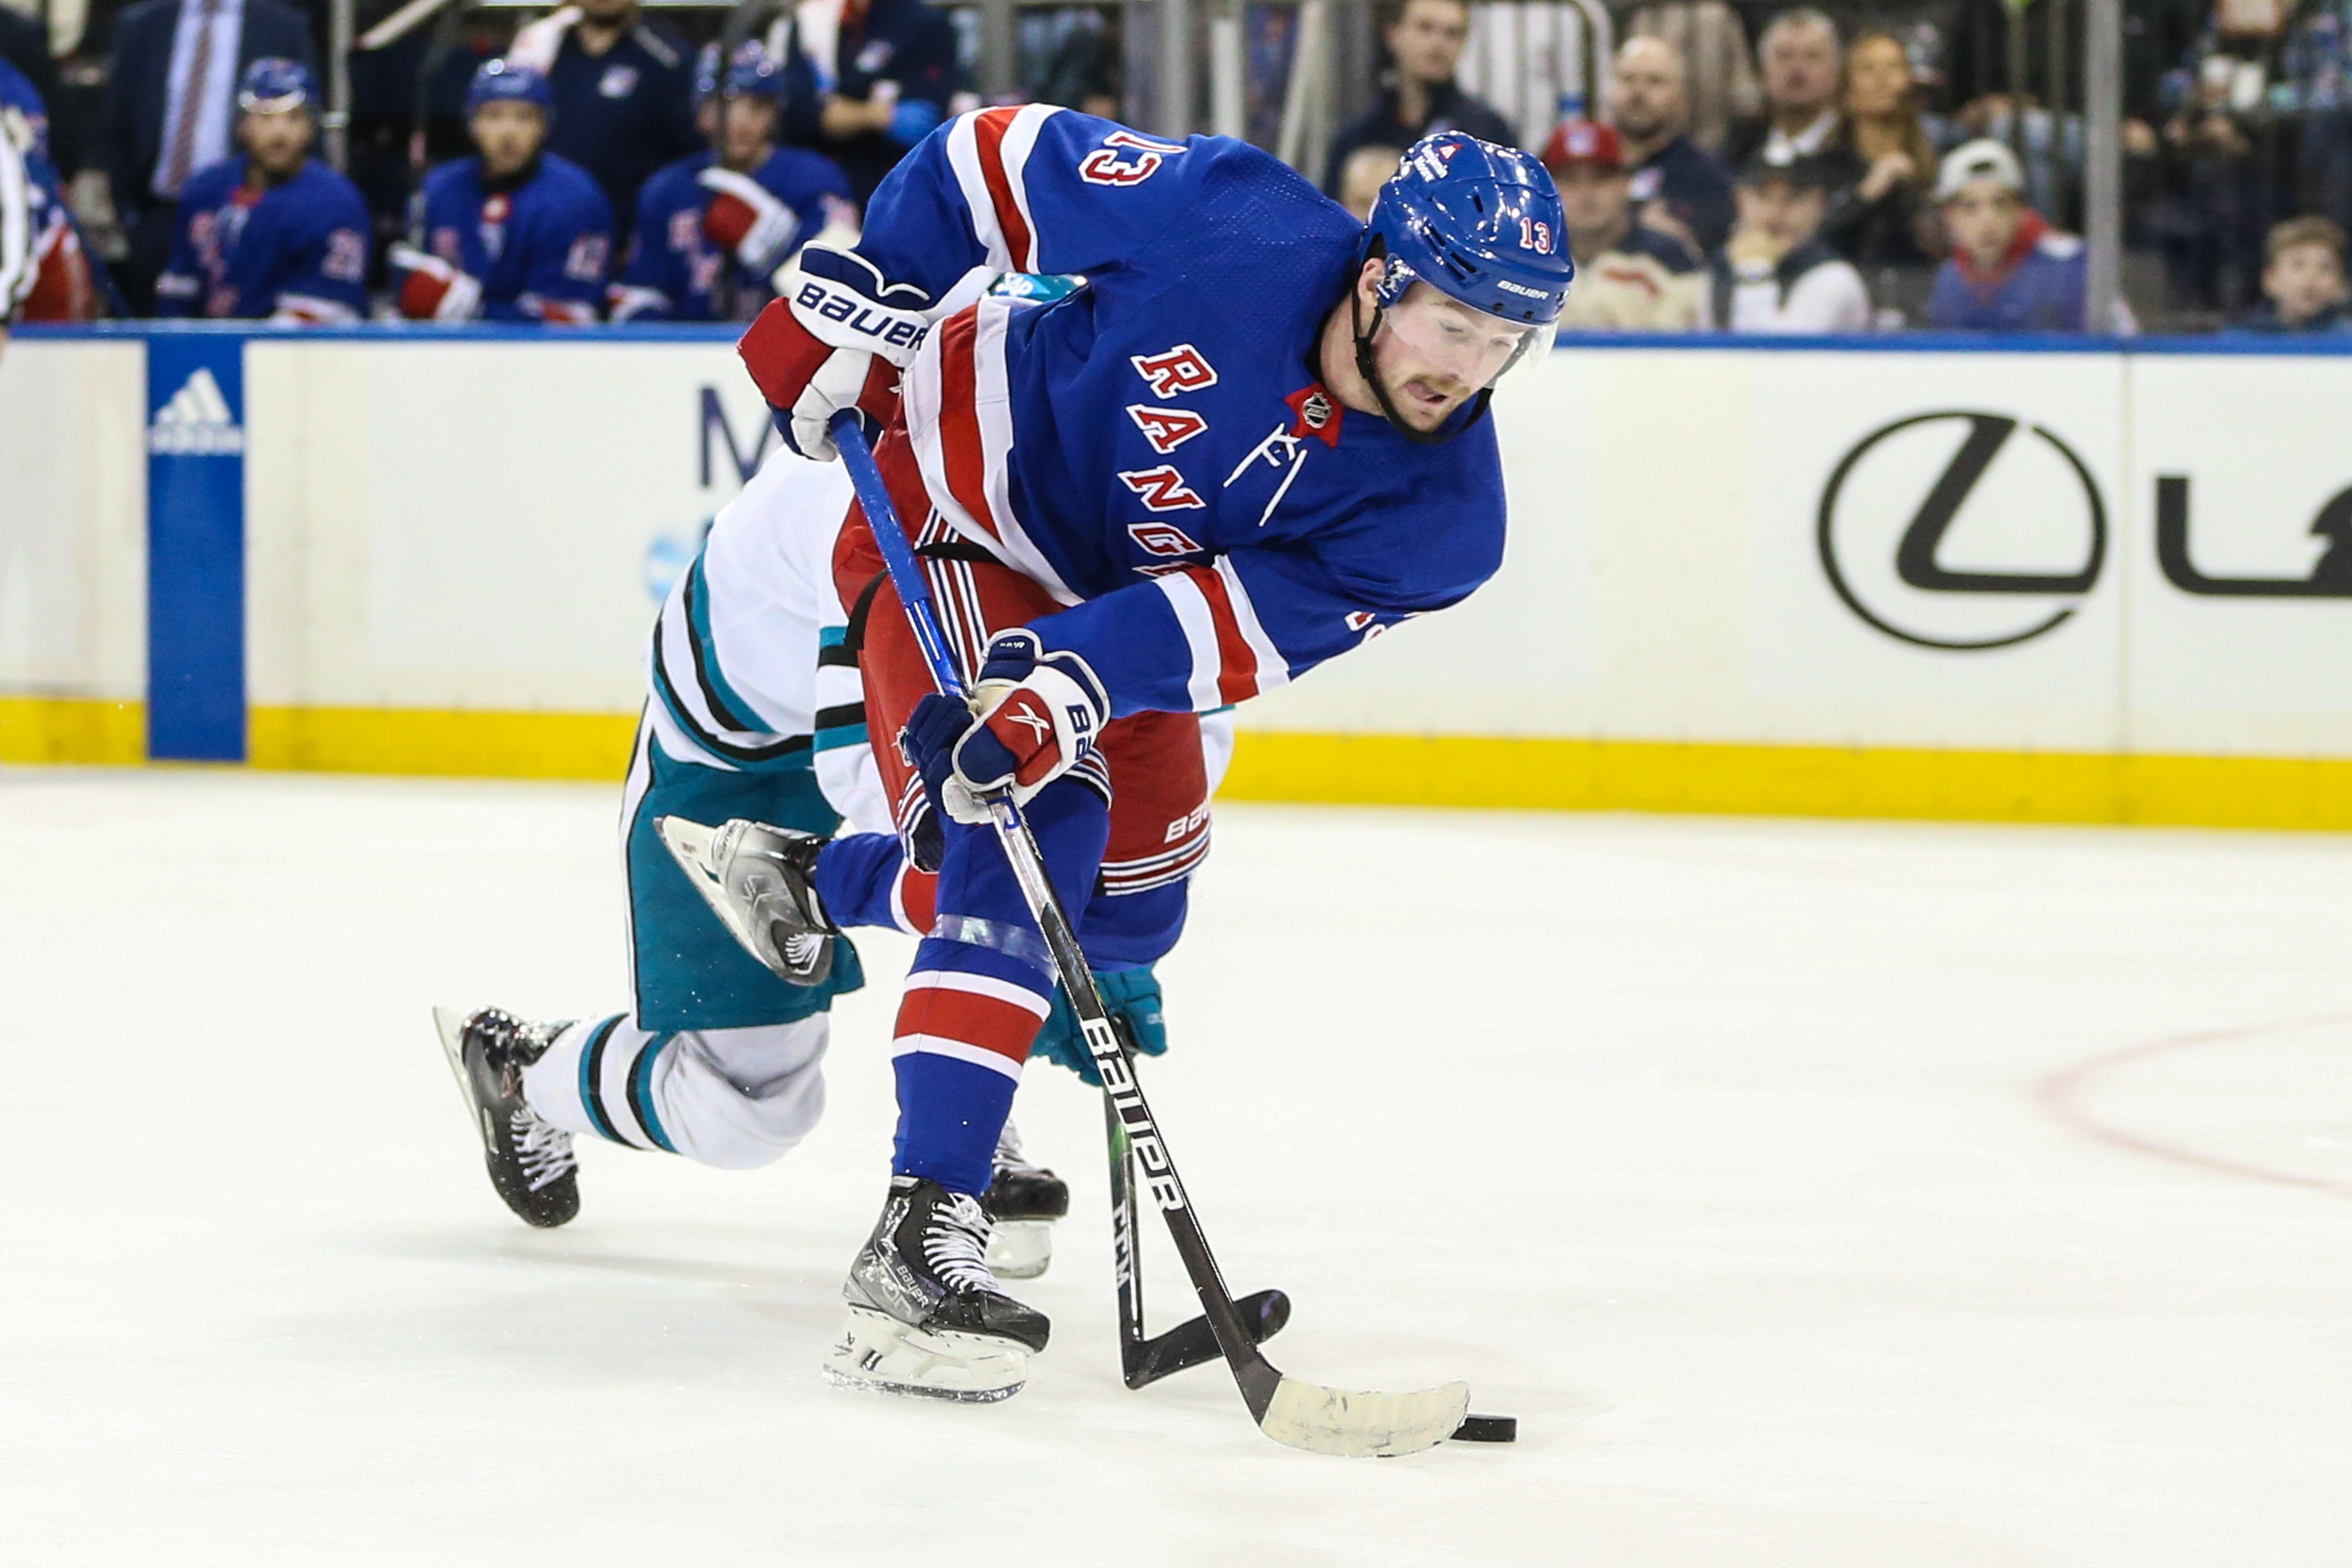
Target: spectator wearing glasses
[514, 233]
[2303, 282]
[716, 235]
[620, 90]
[1774, 274]
[2008, 270]
[1425, 45]
[273, 233]
[1628, 278]
[1678, 187]
[171, 110]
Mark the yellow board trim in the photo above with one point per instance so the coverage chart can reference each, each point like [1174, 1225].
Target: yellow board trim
[1369, 769]
[459, 744]
[1801, 781]
[61, 730]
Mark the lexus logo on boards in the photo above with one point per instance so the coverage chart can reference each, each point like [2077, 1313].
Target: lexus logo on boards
[1962, 530]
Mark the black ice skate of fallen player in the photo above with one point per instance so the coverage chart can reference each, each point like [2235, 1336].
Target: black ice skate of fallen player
[1288, 1409]
[530, 1160]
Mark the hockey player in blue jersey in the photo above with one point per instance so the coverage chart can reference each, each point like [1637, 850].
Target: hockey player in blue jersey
[1255, 438]
[715, 232]
[514, 233]
[273, 233]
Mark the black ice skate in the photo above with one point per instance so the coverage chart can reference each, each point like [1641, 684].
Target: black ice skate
[1022, 1202]
[530, 1160]
[761, 882]
[925, 1314]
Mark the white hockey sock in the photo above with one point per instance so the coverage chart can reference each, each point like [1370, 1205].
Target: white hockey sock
[736, 1098]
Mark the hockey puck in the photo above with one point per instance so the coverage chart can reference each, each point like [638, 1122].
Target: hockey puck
[1487, 1429]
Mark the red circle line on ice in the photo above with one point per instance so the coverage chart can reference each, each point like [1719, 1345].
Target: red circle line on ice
[2061, 1094]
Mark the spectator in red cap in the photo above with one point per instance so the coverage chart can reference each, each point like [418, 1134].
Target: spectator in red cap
[1628, 278]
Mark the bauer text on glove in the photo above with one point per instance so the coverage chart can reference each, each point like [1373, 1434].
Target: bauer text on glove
[838, 342]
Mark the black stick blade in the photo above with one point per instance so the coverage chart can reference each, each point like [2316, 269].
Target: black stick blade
[1487, 1429]
[1194, 1343]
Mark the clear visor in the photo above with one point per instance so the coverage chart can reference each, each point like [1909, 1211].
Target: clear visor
[1462, 344]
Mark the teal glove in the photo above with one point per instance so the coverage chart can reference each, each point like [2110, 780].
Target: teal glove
[1133, 996]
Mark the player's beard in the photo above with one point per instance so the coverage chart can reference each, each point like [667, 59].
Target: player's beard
[1368, 366]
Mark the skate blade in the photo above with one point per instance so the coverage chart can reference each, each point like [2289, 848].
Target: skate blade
[877, 1353]
[1363, 1424]
[450, 1025]
[1020, 1249]
[689, 844]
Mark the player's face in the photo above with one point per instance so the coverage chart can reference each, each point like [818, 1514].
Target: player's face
[1434, 354]
[277, 141]
[751, 125]
[509, 135]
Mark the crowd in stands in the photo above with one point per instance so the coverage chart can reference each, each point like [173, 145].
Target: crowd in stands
[1749, 168]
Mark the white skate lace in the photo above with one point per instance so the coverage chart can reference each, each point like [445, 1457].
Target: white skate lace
[955, 1244]
[542, 1148]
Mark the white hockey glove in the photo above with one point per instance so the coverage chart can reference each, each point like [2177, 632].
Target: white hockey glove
[838, 341]
[745, 220]
[434, 290]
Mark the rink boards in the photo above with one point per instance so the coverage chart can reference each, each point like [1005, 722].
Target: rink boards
[2057, 580]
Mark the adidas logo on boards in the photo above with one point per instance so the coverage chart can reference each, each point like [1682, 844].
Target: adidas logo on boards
[196, 423]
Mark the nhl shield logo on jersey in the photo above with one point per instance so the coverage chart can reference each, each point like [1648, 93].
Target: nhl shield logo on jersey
[1180, 369]
[1318, 415]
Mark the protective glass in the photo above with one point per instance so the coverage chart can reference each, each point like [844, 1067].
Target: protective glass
[1473, 347]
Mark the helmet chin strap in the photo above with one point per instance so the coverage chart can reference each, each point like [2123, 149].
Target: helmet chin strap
[1370, 370]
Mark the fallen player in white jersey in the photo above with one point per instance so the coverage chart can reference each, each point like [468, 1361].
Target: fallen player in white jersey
[754, 711]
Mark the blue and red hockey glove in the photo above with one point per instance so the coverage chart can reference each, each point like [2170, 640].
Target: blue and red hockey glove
[838, 342]
[1039, 715]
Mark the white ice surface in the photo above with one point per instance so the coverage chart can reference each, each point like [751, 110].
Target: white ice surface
[1751, 1164]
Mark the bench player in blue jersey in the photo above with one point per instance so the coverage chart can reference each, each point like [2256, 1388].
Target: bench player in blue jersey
[713, 234]
[514, 233]
[273, 233]
[1258, 437]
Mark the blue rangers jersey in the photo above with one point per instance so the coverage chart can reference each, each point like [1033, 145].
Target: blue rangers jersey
[673, 270]
[294, 253]
[540, 244]
[1157, 450]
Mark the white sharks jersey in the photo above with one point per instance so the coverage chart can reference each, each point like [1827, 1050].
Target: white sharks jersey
[748, 665]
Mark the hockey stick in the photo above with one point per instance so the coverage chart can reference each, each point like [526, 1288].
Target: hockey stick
[1143, 1360]
[1288, 1409]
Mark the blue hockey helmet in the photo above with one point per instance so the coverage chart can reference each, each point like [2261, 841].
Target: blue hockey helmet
[503, 80]
[274, 85]
[1480, 222]
[751, 73]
